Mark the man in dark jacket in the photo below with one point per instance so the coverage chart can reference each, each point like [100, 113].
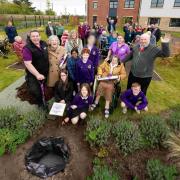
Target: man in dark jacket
[142, 57]
[50, 29]
[156, 32]
[35, 56]
[111, 24]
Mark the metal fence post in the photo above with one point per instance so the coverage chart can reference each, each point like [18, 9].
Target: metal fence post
[35, 21]
[25, 21]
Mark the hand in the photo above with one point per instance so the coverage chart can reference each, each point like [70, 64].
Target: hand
[73, 106]
[40, 77]
[98, 76]
[62, 101]
[107, 59]
[166, 38]
[135, 108]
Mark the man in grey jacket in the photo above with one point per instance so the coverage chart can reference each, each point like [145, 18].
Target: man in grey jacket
[142, 57]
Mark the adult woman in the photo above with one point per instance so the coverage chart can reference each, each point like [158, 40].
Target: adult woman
[142, 58]
[73, 42]
[119, 48]
[56, 58]
[63, 88]
[10, 31]
[106, 88]
[94, 51]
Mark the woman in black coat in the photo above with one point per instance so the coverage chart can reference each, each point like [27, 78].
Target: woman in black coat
[63, 88]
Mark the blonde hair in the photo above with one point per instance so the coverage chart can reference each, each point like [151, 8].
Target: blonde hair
[72, 32]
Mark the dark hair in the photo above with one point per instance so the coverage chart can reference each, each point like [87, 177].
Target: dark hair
[119, 62]
[74, 50]
[61, 83]
[85, 50]
[35, 30]
[86, 85]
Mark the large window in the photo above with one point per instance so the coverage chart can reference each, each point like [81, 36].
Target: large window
[94, 19]
[154, 20]
[129, 4]
[95, 5]
[177, 3]
[113, 4]
[157, 3]
[174, 22]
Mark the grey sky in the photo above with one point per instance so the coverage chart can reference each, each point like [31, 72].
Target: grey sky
[59, 6]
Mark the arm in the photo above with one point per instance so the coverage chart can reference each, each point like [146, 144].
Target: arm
[56, 93]
[69, 94]
[128, 57]
[124, 98]
[164, 51]
[122, 72]
[69, 67]
[143, 104]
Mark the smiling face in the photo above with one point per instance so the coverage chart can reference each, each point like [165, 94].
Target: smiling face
[63, 76]
[114, 60]
[84, 91]
[136, 90]
[35, 37]
[74, 35]
[74, 54]
[144, 40]
[85, 57]
[54, 42]
[120, 39]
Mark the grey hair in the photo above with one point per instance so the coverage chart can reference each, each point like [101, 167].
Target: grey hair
[52, 37]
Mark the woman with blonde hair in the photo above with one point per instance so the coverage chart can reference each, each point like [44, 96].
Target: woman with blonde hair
[57, 56]
[73, 42]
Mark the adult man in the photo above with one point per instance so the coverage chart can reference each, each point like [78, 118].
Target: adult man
[35, 56]
[111, 24]
[50, 30]
[143, 56]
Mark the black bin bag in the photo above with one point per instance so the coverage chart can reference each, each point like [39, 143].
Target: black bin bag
[47, 157]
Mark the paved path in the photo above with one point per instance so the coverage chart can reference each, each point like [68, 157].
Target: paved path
[8, 98]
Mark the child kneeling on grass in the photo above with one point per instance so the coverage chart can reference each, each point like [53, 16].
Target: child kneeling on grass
[80, 105]
[134, 99]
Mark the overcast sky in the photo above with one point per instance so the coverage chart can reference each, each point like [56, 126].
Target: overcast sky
[59, 6]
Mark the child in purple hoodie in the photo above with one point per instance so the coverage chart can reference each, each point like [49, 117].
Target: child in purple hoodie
[134, 99]
[80, 105]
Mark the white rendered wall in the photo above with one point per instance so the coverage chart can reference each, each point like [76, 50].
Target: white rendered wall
[168, 9]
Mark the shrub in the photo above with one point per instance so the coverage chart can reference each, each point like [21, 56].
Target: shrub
[9, 139]
[174, 121]
[33, 120]
[154, 131]
[103, 172]
[173, 144]
[98, 131]
[157, 171]
[9, 117]
[128, 137]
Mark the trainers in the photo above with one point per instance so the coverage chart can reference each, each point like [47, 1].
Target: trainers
[106, 113]
[124, 110]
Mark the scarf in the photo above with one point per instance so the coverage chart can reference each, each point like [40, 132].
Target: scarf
[112, 67]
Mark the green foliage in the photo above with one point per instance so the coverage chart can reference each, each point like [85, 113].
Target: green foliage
[154, 130]
[33, 120]
[128, 137]
[102, 172]
[8, 117]
[157, 171]
[9, 139]
[98, 131]
[174, 121]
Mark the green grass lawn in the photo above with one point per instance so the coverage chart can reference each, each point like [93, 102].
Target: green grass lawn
[8, 76]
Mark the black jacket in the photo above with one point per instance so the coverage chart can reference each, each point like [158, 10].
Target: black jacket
[39, 57]
[61, 94]
[48, 31]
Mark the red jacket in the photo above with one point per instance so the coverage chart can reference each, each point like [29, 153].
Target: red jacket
[18, 46]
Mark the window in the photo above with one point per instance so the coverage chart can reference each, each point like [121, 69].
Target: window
[129, 4]
[177, 3]
[154, 21]
[157, 3]
[127, 19]
[95, 5]
[113, 4]
[94, 19]
[174, 22]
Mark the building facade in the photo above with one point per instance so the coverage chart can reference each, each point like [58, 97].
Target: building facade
[164, 12]
[124, 10]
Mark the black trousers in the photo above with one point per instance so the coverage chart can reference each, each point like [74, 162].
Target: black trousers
[144, 82]
[34, 88]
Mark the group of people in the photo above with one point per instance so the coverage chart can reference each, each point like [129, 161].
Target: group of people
[69, 68]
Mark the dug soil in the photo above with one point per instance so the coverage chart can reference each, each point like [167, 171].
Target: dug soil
[79, 167]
